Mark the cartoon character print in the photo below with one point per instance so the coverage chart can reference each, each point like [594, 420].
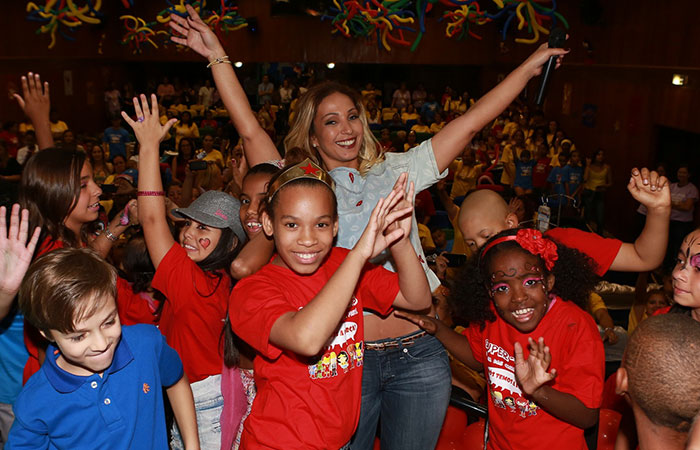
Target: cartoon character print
[510, 402]
[533, 408]
[498, 399]
[523, 406]
[344, 361]
[359, 353]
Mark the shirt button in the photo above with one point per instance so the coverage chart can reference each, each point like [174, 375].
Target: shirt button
[93, 384]
[107, 401]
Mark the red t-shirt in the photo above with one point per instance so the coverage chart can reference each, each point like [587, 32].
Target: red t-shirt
[134, 308]
[193, 316]
[540, 172]
[577, 354]
[305, 403]
[602, 251]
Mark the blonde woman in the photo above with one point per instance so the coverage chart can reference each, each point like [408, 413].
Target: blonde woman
[406, 372]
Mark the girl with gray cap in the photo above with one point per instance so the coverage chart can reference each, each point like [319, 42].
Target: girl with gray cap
[192, 274]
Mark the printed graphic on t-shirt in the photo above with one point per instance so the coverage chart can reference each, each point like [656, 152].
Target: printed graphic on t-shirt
[342, 353]
[504, 389]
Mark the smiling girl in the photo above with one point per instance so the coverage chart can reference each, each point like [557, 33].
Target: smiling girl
[525, 290]
[191, 273]
[302, 312]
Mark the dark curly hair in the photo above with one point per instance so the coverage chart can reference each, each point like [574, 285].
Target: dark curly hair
[574, 280]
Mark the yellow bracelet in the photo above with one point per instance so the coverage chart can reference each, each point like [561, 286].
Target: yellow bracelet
[220, 60]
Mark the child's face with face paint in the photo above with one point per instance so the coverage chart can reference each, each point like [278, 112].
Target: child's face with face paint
[519, 288]
[686, 274]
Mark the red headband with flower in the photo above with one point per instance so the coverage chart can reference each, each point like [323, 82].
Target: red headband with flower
[533, 241]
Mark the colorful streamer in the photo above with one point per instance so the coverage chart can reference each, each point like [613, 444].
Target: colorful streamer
[386, 20]
[64, 15]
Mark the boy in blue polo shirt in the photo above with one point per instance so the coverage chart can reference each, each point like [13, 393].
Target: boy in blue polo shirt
[100, 385]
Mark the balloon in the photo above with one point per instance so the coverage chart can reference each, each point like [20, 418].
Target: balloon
[64, 14]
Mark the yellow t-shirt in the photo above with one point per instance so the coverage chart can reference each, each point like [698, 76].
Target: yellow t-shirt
[405, 117]
[508, 159]
[464, 179]
[420, 128]
[435, 127]
[595, 302]
[426, 239]
[216, 156]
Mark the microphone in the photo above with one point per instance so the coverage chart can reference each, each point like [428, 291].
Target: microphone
[556, 40]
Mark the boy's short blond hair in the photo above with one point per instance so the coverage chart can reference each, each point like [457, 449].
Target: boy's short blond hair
[64, 287]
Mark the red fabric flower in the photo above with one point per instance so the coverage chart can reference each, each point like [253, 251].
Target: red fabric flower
[533, 241]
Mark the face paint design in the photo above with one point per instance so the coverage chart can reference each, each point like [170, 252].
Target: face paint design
[204, 242]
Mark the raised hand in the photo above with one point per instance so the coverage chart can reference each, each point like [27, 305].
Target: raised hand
[196, 34]
[649, 189]
[15, 253]
[374, 240]
[531, 373]
[147, 127]
[403, 222]
[541, 56]
[35, 100]
[427, 323]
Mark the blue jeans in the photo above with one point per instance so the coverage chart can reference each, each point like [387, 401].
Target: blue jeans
[208, 403]
[409, 387]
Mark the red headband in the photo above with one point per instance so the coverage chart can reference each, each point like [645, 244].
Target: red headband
[532, 241]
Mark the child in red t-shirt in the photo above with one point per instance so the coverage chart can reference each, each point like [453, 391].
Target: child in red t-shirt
[523, 289]
[192, 273]
[302, 312]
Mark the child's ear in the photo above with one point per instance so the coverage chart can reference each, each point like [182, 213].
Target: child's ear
[267, 224]
[511, 221]
[335, 227]
[47, 335]
[549, 279]
[621, 381]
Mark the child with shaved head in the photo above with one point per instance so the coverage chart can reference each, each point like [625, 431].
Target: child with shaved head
[659, 378]
[484, 213]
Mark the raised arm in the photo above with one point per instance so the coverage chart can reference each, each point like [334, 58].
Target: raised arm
[452, 139]
[16, 254]
[648, 250]
[200, 38]
[36, 104]
[152, 215]
[306, 331]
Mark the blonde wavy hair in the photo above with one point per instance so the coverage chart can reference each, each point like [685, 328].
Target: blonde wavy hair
[299, 136]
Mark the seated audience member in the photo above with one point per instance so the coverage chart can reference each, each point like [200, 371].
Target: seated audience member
[69, 295]
[115, 139]
[438, 123]
[659, 379]
[420, 126]
[29, 148]
[522, 183]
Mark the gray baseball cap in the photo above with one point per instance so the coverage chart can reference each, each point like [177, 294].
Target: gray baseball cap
[215, 209]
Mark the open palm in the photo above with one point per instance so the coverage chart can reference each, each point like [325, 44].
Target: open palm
[195, 34]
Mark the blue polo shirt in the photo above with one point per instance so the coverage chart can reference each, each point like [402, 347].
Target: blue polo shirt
[123, 409]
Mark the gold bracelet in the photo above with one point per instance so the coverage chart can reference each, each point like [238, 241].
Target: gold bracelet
[219, 60]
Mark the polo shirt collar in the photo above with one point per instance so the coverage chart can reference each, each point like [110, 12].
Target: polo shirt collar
[65, 382]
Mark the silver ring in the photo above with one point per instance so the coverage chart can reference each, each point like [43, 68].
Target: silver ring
[141, 119]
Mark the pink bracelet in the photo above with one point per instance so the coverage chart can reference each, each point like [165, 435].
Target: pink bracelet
[150, 193]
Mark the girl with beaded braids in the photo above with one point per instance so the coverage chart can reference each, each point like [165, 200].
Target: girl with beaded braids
[331, 127]
[525, 290]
